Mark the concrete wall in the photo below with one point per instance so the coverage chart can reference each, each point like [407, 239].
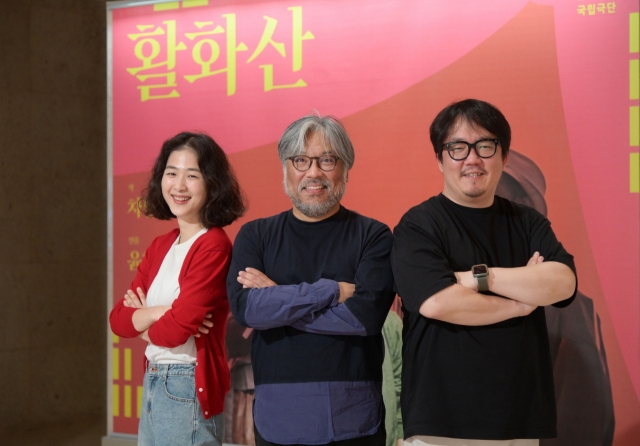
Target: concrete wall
[52, 212]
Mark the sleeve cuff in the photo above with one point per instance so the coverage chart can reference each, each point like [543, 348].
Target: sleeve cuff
[327, 289]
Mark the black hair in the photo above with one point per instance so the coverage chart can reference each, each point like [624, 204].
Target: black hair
[224, 203]
[475, 112]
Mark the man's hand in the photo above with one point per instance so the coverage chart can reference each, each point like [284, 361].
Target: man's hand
[252, 278]
[535, 259]
[206, 325]
[346, 291]
[133, 301]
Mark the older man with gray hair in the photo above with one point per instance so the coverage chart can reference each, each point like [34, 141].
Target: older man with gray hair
[315, 283]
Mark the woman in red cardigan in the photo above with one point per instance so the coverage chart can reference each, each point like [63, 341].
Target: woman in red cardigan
[178, 300]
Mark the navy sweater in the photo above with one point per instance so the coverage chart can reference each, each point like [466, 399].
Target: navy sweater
[317, 363]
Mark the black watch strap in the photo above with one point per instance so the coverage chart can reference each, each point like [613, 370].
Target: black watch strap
[483, 285]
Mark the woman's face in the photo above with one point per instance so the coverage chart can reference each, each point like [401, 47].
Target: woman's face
[183, 185]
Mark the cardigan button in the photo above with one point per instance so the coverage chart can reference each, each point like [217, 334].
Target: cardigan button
[206, 413]
[200, 389]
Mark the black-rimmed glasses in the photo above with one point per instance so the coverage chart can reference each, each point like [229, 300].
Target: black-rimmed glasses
[324, 162]
[460, 150]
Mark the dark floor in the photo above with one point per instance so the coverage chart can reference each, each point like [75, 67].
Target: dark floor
[83, 432]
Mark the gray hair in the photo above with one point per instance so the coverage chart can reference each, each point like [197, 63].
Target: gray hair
[329, 128]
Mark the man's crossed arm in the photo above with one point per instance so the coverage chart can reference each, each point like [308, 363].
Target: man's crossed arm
[536, 284]
[253, 278]
[315, 308]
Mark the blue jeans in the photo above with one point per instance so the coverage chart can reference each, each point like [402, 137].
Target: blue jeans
[171, 414]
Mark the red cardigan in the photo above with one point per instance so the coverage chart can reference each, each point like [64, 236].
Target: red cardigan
[203, 290]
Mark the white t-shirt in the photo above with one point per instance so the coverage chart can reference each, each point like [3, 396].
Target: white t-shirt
[163, 291]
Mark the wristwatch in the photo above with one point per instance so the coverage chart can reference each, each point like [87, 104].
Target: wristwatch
[481, 272]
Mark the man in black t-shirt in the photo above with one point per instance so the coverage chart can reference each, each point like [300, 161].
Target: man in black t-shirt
[474, 272]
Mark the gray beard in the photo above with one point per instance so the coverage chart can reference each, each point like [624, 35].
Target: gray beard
[316, 210]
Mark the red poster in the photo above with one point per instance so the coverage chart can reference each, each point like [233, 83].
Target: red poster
[564, 73]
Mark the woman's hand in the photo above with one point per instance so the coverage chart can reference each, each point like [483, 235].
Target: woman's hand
[206, 325]
[133, 301]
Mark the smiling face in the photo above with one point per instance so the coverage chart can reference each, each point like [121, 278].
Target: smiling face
[315, 194]
[183, 186]
[471, 182]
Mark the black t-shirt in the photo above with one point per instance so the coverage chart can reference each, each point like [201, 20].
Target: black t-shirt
[491, 382]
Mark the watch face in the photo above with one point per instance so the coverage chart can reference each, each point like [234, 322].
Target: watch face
[479, 269]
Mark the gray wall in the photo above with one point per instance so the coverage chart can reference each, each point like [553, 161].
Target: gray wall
[52, 212]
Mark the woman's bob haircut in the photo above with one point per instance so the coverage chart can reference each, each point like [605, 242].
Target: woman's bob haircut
[225, 202]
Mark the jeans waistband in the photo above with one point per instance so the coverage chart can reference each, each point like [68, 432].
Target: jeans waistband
[170, 369]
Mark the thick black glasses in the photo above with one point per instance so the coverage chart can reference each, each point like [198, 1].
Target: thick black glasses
[460, 150]
[303, 162]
